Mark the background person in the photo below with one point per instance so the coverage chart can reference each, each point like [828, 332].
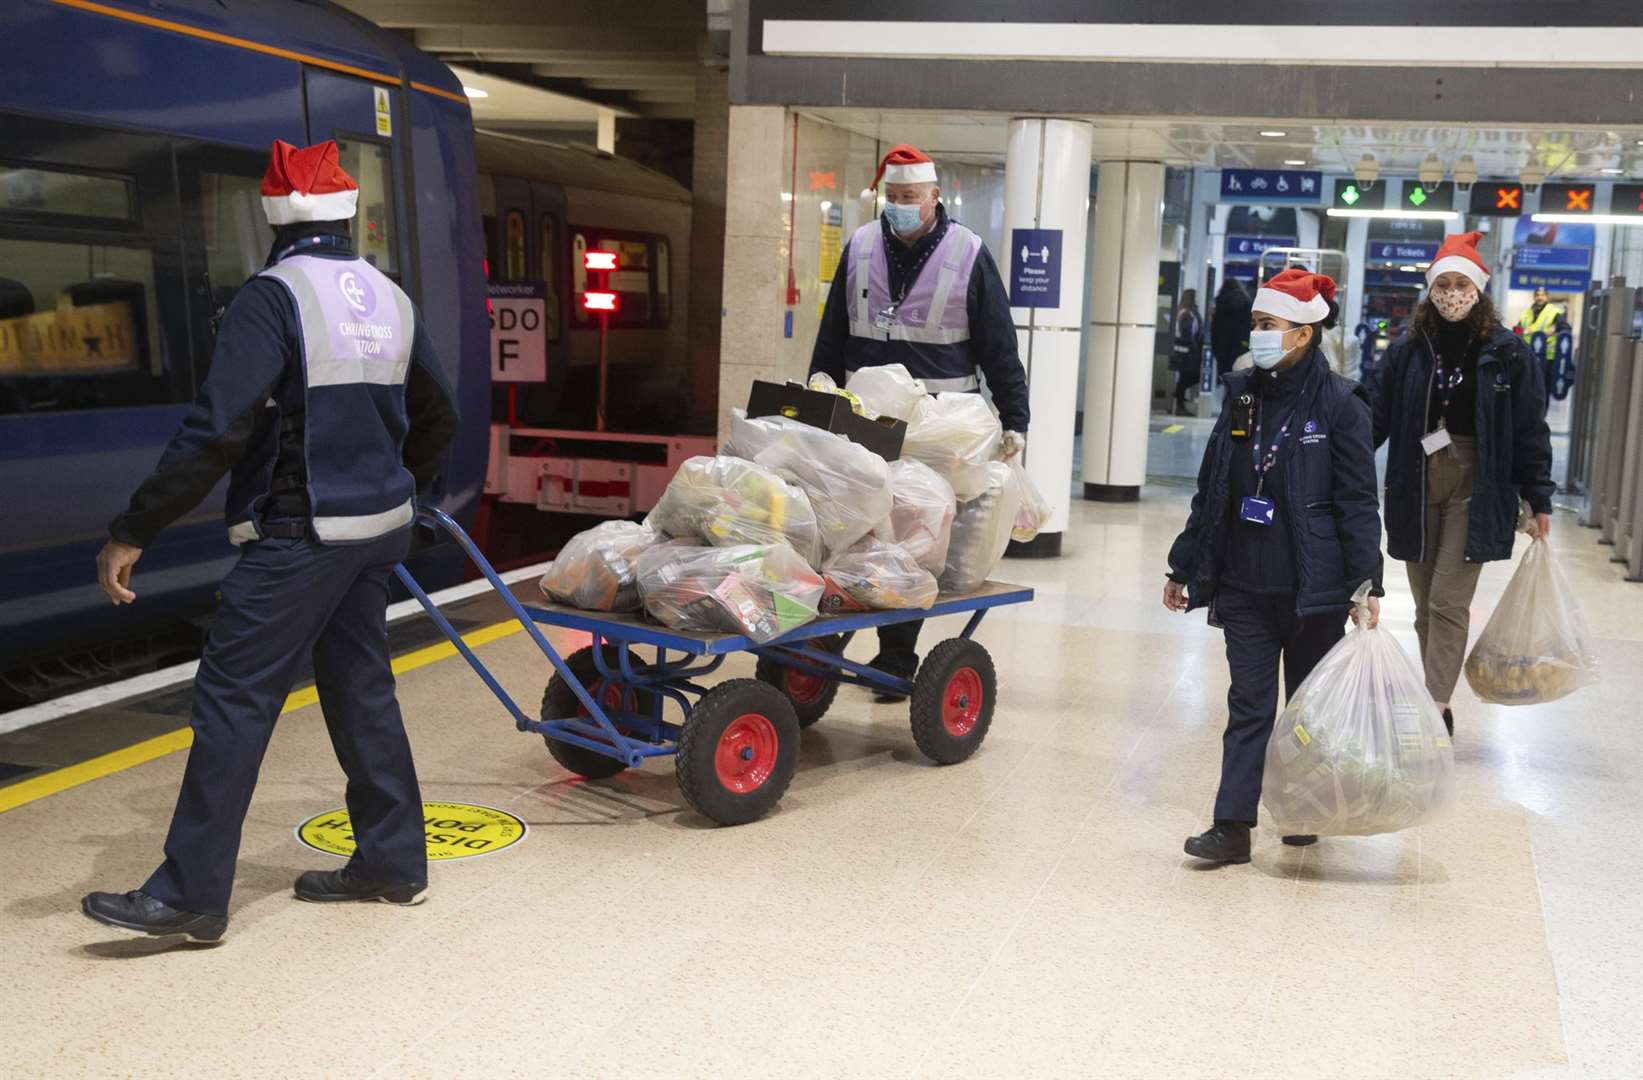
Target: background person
[1283, 530]
[1461, 401]
[1229, 328]
[1187, 353]
[1542, 317]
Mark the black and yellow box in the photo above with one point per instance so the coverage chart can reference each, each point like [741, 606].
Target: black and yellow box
[830, 412]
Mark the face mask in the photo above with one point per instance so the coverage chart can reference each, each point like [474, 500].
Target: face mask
[1266, 348]
[1456, 303]
[904, 219]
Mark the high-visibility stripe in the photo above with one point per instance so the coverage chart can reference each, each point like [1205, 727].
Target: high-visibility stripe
[332, 527]
[250, 46]
[70, 776]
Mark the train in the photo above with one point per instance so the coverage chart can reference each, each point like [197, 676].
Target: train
[129, 216]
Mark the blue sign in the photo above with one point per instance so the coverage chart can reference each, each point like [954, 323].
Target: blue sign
[1271, 186]
[1249, 248]
[1402, 251]
[1538, 257]
[1035, 268]
[1562, 280]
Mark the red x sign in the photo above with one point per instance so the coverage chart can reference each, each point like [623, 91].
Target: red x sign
[1506, 198]
[1579, 199]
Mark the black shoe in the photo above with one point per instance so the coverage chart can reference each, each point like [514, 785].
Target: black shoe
[336, 886]
[1301, 840]
[900, 670]
[139, 913]
[1449, 722]
[1223, 843]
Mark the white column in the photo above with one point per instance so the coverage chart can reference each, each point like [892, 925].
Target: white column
[1123, 314]
[605, 136]
[1357, 255]
[1047, 186]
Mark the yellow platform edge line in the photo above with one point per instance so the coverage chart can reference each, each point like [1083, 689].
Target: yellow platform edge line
[70, 776]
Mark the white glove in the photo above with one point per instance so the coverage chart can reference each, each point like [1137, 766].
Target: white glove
[1013, 443]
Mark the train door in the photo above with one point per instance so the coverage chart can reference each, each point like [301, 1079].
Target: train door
[527, 231]
[365, 119]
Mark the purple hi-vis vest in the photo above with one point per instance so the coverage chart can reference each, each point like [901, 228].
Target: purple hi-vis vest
[929, 331]
[357, 327]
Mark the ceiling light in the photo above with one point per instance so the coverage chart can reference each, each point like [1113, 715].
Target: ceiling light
[1281, 134]
[1411, 215]
[1614, 172]
[1409, 269]
[1595, 219]
[1294, 161]
[475, 92]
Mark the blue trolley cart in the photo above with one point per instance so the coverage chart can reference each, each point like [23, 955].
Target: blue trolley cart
[736, 746]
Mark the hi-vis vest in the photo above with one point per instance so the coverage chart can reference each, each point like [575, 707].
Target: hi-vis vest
[1531, 324]
[357, 327]
[929, 331]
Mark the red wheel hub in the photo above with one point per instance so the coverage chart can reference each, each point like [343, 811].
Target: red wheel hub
[611, 697]
[961, 703]
[803, 688]
[746, 754]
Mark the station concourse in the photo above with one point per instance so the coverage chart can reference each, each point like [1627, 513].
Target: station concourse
[1023, 911]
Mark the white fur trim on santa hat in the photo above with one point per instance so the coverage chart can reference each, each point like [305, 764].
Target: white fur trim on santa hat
[1458, 264]
[296, 207]
[1285, 306]
[924, 172]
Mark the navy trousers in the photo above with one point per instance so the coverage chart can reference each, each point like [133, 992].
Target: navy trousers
[1261, 631]
[286, 600]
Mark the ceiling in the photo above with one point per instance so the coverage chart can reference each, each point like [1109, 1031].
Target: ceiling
[636, 58]
[1573, 151]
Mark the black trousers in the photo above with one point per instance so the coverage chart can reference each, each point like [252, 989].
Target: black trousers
[898, 647]
[1261, 631]
[282, 602]
[1184, 381]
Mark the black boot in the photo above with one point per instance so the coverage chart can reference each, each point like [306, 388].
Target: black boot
[900, 668]
[335, 886]
[137, 912]
[1225, 842]
[1449, 722]
[1301, 840]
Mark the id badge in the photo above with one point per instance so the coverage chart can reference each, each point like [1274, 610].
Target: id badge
[1435, 441]
[886, 318]
[1258, 510]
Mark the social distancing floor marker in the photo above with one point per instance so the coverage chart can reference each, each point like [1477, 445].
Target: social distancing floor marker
[454, 831]
[38, 787]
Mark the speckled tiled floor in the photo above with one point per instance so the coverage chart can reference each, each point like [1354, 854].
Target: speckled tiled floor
[1027, 913]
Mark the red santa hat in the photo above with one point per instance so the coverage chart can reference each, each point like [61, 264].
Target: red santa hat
[1459, 254]
[307, 184]
[1298, 296]
[906, 165]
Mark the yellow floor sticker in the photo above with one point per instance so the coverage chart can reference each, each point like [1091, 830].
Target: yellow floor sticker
[454, 831]
[1174, 429]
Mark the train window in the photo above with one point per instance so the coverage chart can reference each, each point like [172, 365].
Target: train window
[550, 274]
[79, 328]
[34, 190]
[641, 277]
[237, 234]
[376, 236]
[513, 242]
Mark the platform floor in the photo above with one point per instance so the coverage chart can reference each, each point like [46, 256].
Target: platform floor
[1028, 913]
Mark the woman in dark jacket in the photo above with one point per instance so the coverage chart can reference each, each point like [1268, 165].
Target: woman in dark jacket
[1283, 530]
[1462, 402]
[1186, 357]
[1229, 326]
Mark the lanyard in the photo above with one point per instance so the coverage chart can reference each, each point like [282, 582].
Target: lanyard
[323, 240]
[1265, 460]
[1445, 382]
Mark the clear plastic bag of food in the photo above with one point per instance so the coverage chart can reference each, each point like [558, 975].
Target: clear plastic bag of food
[1034, 512]
[597, 569]
[1536, 647]
[848, 484]
[921, 514]
[881, 577]
[727, 501]
[887, 390]
[981, 532]
[956, 434]
[1361, 748]
[763, 591]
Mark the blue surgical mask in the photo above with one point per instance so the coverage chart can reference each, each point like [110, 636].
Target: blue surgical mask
[1266, 348]
[904, 219]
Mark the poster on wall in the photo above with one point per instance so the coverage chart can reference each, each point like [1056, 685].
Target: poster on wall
[832, 245]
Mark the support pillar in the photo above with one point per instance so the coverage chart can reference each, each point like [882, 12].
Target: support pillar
[1047, 188]
[1129, 211]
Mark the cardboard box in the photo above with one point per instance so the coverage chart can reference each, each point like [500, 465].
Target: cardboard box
[830, 412]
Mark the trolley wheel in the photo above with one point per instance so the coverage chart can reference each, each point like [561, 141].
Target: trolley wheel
[811, 695]
[560, 702]
[738, 751]
[953, 700]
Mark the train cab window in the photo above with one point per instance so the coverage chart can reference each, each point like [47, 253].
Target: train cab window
[376, 234]
[33, 190]
[550, 275]
[80, 329]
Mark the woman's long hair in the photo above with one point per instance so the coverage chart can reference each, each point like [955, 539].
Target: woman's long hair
[1480, 322]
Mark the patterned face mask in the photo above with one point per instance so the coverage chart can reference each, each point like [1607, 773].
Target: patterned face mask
[1454, 304]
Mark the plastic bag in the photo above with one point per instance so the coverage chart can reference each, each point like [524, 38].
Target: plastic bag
[881, 577]
[1536, 647]
[1034, 512]
[956, 434]
[1361, 748]
[921, 514]
[596, 570]
[763, 591]
[727, 501]
[981, 532]
[888, 390]
[848, 485]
